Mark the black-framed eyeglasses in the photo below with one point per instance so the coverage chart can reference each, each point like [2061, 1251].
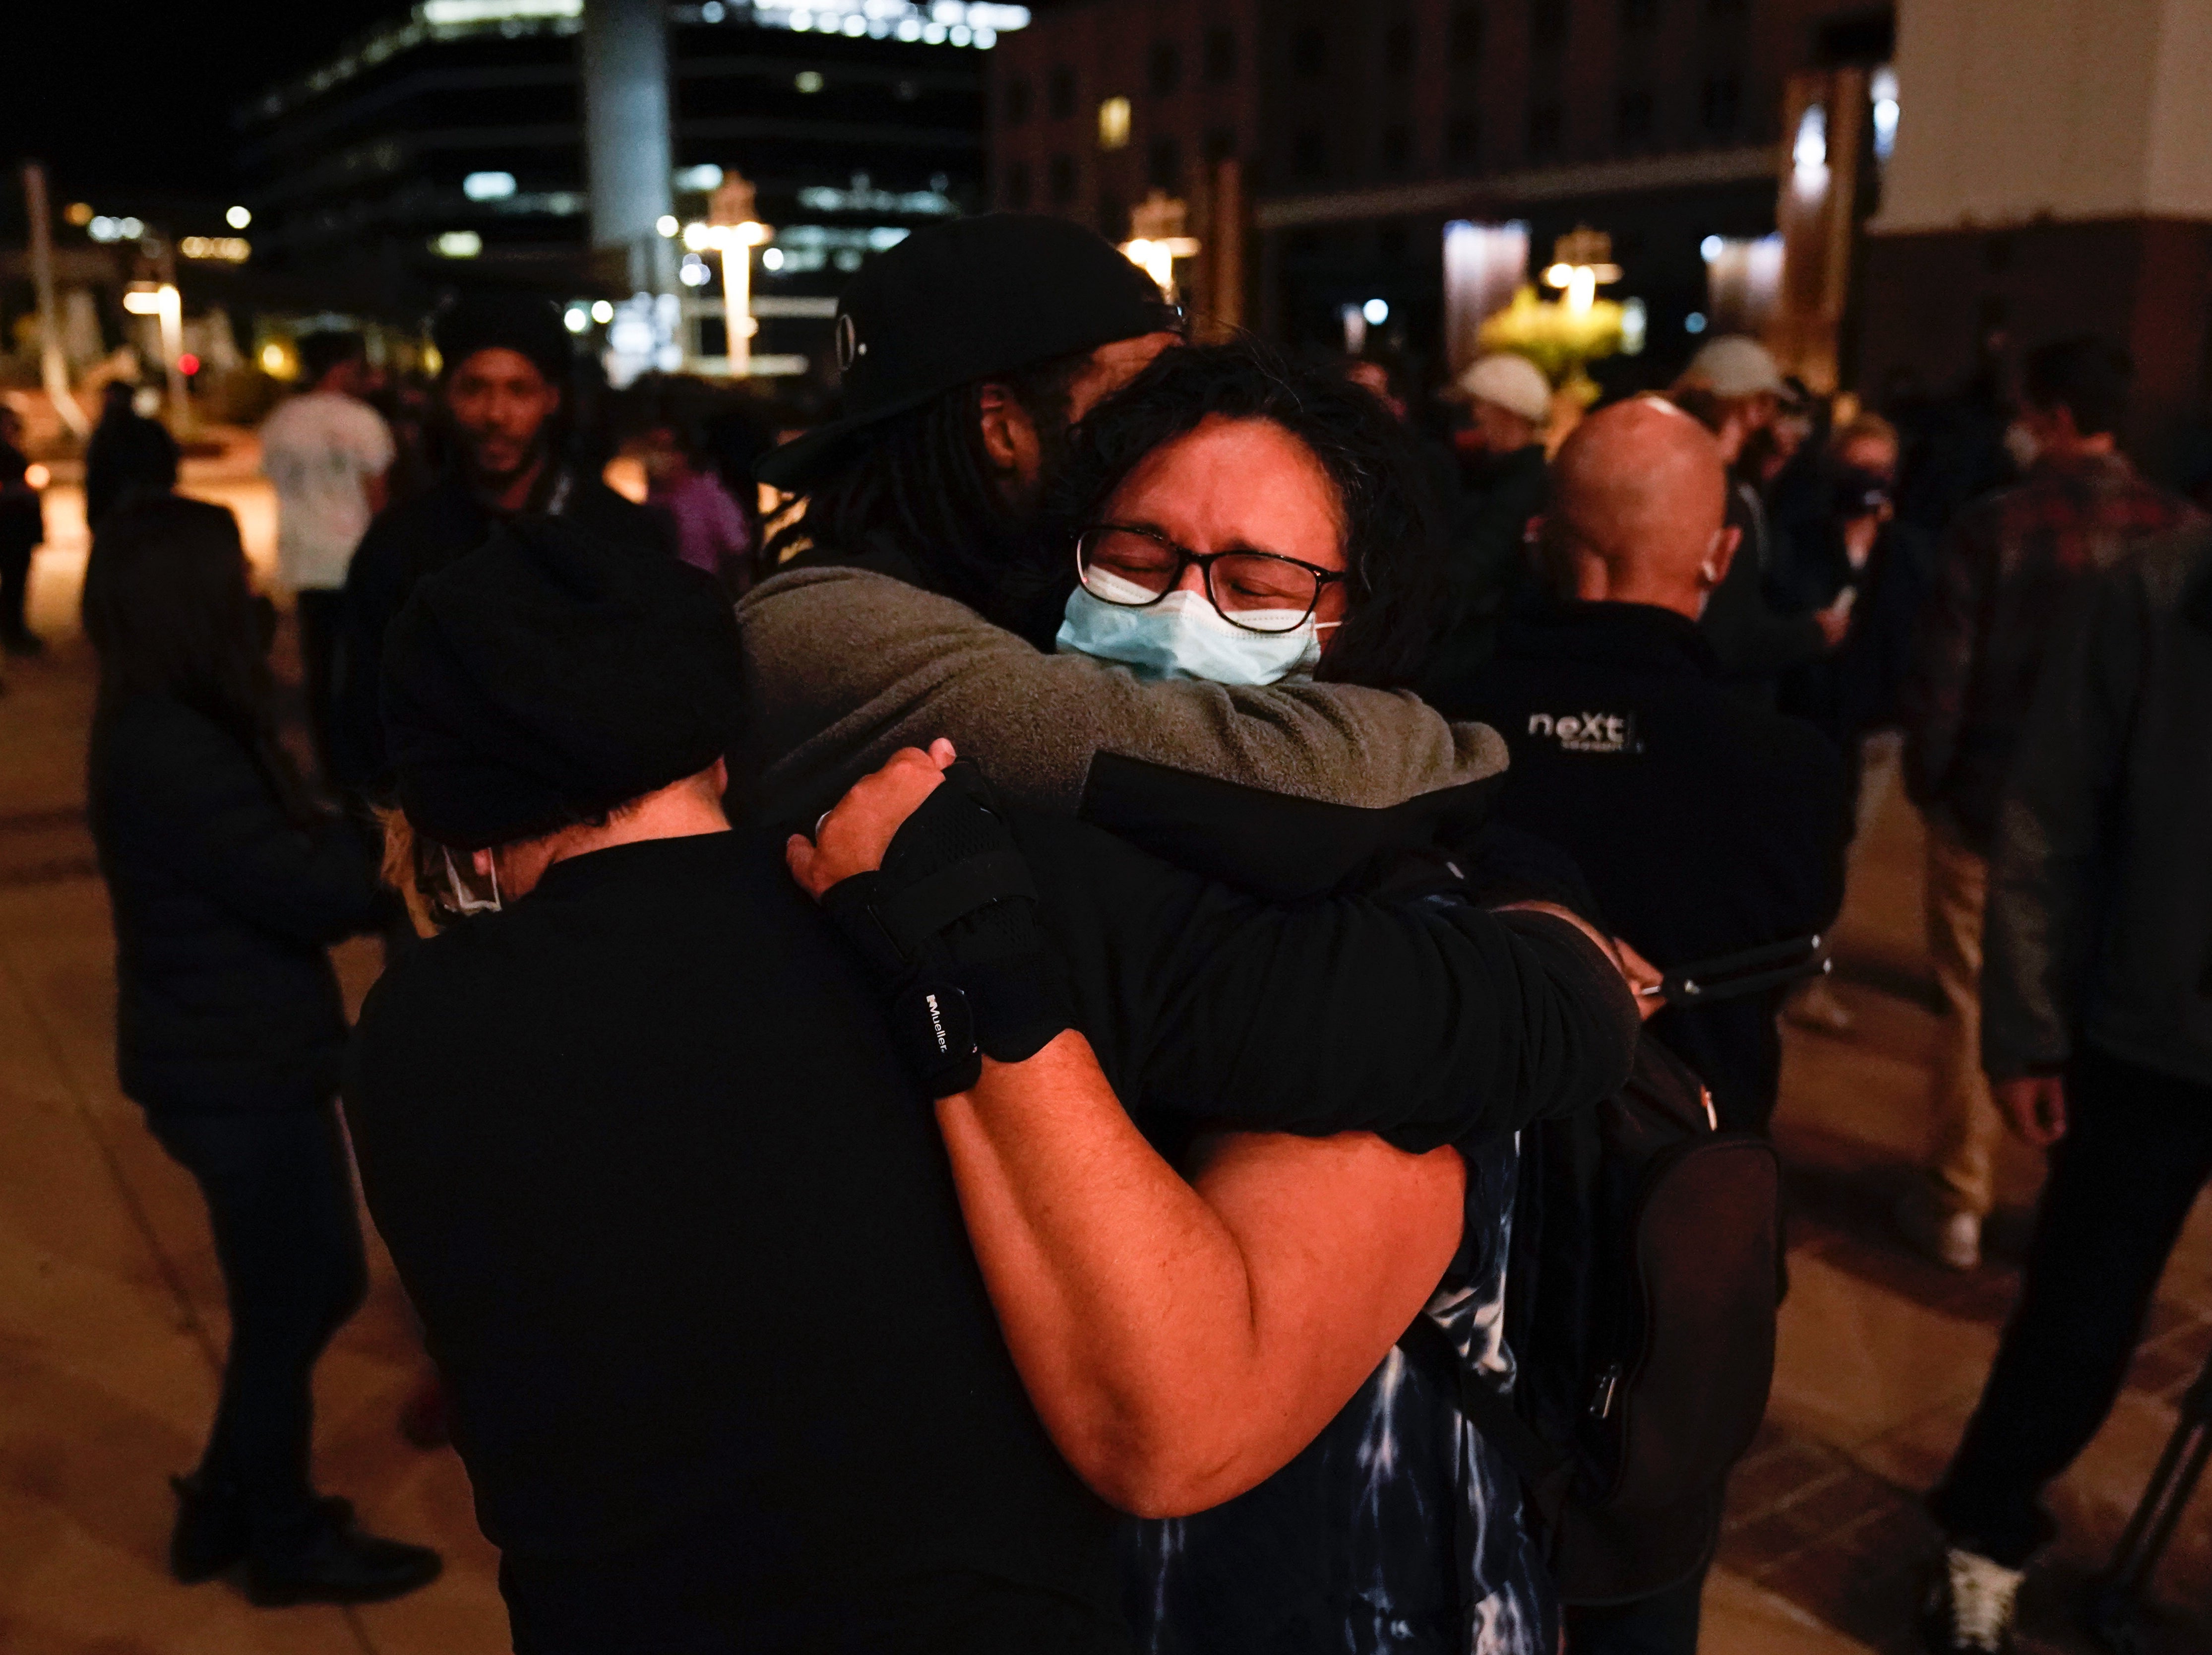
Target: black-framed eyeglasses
[1258, 591]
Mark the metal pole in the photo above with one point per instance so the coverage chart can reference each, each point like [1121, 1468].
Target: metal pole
[738, 299]
[52, 369]
[173, 338]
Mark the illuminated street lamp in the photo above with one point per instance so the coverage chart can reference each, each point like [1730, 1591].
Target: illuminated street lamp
[162, 300]
[732, 231]
[1157, 238]
[1582, 261]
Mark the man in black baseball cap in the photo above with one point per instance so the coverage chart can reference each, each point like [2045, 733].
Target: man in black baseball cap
[926, 599]
[506, 359]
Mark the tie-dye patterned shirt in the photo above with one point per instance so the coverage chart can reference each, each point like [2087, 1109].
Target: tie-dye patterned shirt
[1399, 1530]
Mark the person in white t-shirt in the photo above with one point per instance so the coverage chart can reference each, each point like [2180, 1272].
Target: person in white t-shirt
[326, 452]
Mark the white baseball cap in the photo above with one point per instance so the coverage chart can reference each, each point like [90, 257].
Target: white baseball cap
[1735, 365]
[1513, 382]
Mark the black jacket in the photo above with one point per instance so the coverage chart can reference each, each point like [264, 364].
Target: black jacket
[1487, 570]
[1704, 825]
[223, 907]
[1753, 643]
[418, 538]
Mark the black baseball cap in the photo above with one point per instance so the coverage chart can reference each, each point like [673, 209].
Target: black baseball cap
[960, 301]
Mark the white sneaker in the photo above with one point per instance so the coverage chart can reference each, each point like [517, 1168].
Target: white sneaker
[1969, 1608]
[1949, 1236]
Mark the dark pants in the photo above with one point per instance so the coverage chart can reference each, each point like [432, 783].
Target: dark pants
[319, 613]
[15, 550]
[279, 1200]
[1665, 1624]
[2137, 1149]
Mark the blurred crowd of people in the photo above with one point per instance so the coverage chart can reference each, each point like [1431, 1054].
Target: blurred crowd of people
[1261, 822]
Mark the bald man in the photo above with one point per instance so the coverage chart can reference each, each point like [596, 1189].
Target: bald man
[1703, 825]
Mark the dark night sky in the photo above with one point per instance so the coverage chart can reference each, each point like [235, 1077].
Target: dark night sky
[136, 97]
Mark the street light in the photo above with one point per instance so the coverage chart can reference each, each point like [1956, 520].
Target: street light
[166, 303]
[1157, 238]
[1582, 260]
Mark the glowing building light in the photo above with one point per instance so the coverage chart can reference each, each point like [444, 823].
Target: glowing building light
[1694, 322]
[576, 318]
[129, 229]
[666, 224]
[1709, 248]
[772, 258]
[458, 244]
[239, 217]
[1635, 327]
[602, 312]
[1377, 310]
[449, 13]
[703, 177]
[694, 273]
[487, 186]
[1882, 88]
[712, 12]
[1809, 153]
[1113, 124]
[188, 363]
[274, 361]
[37, 476]
[79, 213]
[808, 80]
[226, 249]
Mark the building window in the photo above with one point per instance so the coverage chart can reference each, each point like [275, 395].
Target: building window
[1220, 54]
[1165, 169]
[1220, 144]
[1544, 124]
[1310, 51]
[1060, 177]
[1163, 68]
[1397, 148]
[1636, 15]
[1462, 141]
[1309, 153]
[1548, 25]
[1060, 93]
[1398, 47]
[1720, 105]
[1015, 185]
[1466, 46]
[1112, 123]
[1017, 100]
[1631, 118]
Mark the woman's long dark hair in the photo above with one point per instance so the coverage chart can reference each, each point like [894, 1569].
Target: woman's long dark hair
[1393, 546]
[168, 607]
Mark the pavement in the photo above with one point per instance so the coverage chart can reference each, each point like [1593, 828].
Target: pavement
[112, 1325]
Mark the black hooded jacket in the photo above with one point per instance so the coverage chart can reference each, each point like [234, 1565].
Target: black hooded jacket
[224, 907]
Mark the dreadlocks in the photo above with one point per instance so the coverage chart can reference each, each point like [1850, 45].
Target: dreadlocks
[925, 483]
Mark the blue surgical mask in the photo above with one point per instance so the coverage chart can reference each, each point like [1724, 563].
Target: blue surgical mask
[1184, 636]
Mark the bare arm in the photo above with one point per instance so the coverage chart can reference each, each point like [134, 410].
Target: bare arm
[1182, 1342]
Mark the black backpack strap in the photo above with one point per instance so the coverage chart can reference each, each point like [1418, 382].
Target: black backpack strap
[1546, 1475]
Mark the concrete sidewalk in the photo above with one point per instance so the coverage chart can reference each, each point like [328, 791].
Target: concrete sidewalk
[112, 1323]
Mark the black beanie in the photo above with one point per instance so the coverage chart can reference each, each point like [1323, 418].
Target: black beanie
[523, 323]
[549, 677]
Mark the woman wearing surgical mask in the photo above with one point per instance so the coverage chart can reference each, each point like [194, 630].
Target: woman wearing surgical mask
[1233, 519]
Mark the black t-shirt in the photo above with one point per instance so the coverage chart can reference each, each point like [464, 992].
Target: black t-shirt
[687, 1253]
[1704, 824]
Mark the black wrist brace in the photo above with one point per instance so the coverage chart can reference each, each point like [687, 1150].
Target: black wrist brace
[949, 925]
